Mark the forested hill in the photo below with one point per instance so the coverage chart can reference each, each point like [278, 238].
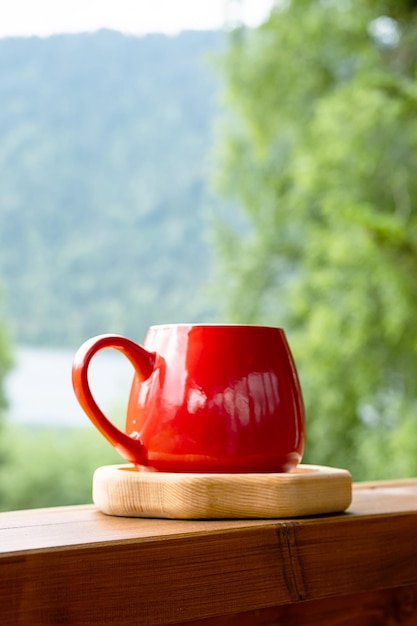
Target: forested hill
[104, 153]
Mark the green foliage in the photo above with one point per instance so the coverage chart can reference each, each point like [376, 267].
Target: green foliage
[320, 149]
[47, 466]
[103, 189]
[6, 364]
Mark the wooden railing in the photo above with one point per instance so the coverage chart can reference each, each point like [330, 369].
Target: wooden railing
[73, 565]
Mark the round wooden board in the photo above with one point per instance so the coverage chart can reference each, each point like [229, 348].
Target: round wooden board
[309, 490]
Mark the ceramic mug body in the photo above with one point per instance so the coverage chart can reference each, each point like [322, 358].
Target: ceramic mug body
[204, 398]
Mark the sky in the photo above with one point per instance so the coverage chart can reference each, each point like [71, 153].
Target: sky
[23, 18]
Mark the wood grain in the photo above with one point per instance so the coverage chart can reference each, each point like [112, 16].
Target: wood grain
[309, 490]
[76, 566]
[385, 607]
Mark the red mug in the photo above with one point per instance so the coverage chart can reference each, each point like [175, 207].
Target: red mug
[221, 398]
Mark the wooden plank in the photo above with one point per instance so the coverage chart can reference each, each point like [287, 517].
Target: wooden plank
[386, 607]
[57, 527]
[74, 565]
[146, 583]
[389, 496]
[349, 554]
[212, 574]
[176, 580]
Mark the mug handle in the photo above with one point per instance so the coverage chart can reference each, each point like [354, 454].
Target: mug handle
[129, 446]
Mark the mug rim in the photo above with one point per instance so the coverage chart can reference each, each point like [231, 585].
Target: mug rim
[212, 325]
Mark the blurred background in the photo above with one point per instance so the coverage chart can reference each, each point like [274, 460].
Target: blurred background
[238, 161]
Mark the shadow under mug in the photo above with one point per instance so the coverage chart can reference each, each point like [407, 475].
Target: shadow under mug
[221, 398]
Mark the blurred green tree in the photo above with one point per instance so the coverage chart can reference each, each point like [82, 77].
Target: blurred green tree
[6, 362]
[319, 147]
[50, 466]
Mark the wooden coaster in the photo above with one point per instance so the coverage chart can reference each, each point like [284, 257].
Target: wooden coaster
[308, 490]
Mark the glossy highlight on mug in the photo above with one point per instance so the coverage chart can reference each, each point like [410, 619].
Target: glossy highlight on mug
[204, 398]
